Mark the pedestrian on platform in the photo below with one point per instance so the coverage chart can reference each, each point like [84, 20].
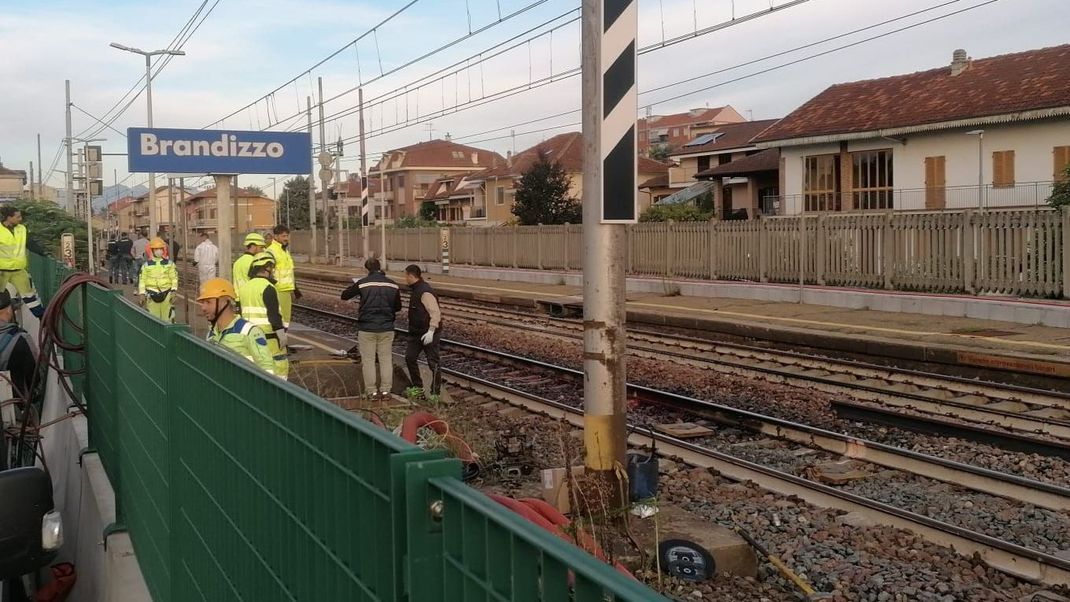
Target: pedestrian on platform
[229, 330]
[380, 301]
[14, 261]
[254, 245]
[206, 258]
[259, 302]
[124, 259]
[284, 272]
[141, 248]
[111, 259]
[158, 282]
[425, 328]
[16, 350]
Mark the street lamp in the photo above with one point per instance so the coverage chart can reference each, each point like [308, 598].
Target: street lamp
[153, 219]
[275, 195]
[980, 166]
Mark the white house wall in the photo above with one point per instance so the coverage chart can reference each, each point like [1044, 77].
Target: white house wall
[1032, 143]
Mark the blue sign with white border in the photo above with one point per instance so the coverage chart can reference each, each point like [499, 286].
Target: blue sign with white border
[218, 151]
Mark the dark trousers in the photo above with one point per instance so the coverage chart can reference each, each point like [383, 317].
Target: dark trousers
[412, 354]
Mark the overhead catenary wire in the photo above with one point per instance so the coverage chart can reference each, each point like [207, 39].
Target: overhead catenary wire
[559, 77]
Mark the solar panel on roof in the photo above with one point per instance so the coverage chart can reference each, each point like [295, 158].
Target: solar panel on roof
[704, 139]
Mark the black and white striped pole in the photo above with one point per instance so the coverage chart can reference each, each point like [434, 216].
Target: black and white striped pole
[364, 181]
[610, 103]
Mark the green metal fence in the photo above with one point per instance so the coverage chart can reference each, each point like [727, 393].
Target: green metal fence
[235, 485]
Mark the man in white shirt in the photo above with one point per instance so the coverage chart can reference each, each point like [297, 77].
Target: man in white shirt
[141, 245]
[205, 257]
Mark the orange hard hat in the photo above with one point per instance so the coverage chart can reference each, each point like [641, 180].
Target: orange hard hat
[157, 243]
[216, 288]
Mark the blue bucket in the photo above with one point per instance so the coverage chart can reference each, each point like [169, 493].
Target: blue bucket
[642, 476]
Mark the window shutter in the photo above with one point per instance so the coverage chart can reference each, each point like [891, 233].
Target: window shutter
[1062, 160]
[1003, 168]
[935, 195]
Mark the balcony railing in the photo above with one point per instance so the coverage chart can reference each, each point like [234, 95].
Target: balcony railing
[1023, 194]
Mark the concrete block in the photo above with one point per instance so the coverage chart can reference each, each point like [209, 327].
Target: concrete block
[730, 553]
[125, 581]
[1027, 315]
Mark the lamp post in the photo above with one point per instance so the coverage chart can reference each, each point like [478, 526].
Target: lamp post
[980, 167]
[154, 224]
[275, 195]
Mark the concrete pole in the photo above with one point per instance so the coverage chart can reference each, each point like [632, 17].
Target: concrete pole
[154, 219]
[33, 182]
[88, 214]
[185, 235]
[70, 155]
[323, 192]
[40, 170]
[382, 217]
[339, 202]
[275, 195]
[224, 210]
[608, 39]
[311, 187]
[981, 204]
[364, 221]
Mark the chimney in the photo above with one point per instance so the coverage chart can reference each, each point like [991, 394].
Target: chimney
[959, 62]
[509, 158]
[475, 158]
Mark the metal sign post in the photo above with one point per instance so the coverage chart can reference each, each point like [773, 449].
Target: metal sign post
[444, 241]
[609, 29]
[66, 249]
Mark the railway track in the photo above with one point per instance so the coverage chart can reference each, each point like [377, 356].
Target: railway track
[557, 391]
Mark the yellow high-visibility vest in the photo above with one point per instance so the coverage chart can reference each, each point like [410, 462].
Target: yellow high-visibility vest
[284, 267]
[251, 297]
[13, 248]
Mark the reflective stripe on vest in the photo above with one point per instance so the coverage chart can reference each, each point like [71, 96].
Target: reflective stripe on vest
[240, 271]
[233, 338]
[158, 275]
[284, 267]
[13, 248]
[251, 297]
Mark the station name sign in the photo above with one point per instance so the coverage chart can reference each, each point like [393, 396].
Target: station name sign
[218, 151]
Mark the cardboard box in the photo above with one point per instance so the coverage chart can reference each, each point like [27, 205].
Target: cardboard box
[555, 489]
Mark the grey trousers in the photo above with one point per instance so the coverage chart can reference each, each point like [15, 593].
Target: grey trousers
[374, 345]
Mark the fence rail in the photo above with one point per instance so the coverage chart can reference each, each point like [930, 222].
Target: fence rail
[237, 486]
[1008, 251]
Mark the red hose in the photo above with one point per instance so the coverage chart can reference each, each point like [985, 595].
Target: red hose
[417, 420]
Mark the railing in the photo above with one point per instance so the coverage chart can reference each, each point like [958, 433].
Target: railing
[1023, 194]
[1008, 251]
[236, 485]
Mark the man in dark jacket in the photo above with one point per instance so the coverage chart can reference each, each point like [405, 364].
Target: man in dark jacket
[16, 351]
[380, 300]
[124, 258]
[425, 328]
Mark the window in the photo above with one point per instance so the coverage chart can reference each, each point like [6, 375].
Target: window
[1062, 161]
[401, 181]
[499, 195]
[821, 183]
[725, 158]
[703, 163]
[1003, 169]
[872, 173]
[675, 132]
[935, 183]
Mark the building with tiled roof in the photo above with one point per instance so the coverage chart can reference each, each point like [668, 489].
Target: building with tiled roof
[499, 183]
[672, 131]
[12, 182]
[252, 211]
[409, 171]
[925, 140]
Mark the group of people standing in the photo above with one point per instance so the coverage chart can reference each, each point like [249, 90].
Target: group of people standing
[380, 301]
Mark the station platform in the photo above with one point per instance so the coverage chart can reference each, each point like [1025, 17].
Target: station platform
[913, 336]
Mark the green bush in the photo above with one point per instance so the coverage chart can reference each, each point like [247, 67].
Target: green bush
[412, 221]
[1060, 193]
[677, 212]
[46, 222]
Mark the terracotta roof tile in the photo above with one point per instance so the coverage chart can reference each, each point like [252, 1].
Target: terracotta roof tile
[566, 149]
[766, 160]
[1024, 81]
[683, 122]
[661, 181]
[209, 193]
[727, 137]
[443, 153]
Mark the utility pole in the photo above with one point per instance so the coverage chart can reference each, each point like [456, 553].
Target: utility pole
[364, 180]
[185, 234]
[70, 154]
[154, 218]
[339, 200]
[326, 180]
[610, 103]
[311, 189]
[33, 194]
[382, 212]
[40, 170]
[224, 212]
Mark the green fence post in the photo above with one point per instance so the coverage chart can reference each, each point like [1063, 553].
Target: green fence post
[423, 518]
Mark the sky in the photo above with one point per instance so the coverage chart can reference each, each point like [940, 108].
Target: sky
[422, 71]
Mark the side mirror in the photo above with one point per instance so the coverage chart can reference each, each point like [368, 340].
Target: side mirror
[31, 532]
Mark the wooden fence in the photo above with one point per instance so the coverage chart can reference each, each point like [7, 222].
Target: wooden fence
[1016, 252]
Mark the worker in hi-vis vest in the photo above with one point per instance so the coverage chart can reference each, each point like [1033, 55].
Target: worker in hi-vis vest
[285, 280]
[158, 282]
[14, 261]
[260, 305]
[239, 273]
[229, 330]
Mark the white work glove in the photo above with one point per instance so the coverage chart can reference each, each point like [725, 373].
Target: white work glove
[428, 337]
[282, 339]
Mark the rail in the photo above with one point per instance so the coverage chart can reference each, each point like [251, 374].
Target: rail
[236, 485]
[1023, 252]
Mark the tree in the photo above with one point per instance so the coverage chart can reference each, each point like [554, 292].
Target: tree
[45, 224]
[677, 212]
[660, 152]
[428, 211]
[253, 188]
[293, 207]
[411, 221]
[542, 196]
[1060, 193]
